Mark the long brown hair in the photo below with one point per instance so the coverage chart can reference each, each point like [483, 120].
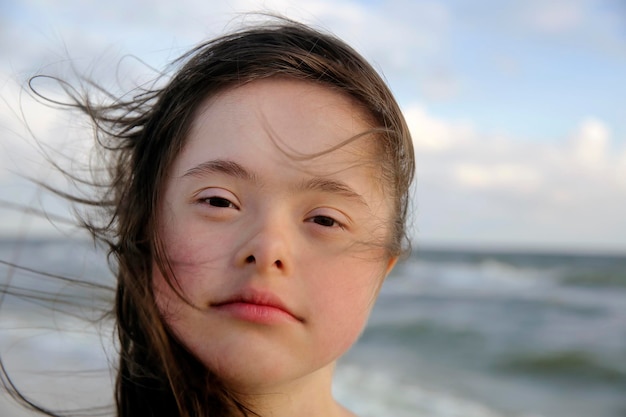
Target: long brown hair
[139, 138]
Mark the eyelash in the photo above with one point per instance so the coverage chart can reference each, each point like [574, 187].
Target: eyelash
[334, 223]
[220, 202]
[321, 220]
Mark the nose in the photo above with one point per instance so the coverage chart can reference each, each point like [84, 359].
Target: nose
[268, 248]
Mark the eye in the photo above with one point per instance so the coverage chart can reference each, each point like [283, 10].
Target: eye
[325, 221]
[328, 218]
[219, 202]
[216, 198]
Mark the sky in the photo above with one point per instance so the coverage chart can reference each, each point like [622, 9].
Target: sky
[517, 108]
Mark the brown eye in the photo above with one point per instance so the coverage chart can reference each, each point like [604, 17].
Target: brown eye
[219, 202]
[324, 221]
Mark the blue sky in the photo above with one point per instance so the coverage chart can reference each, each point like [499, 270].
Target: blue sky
[517, 108]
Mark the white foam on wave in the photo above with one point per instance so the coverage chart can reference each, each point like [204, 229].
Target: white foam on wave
[376, 394]
[485, 278]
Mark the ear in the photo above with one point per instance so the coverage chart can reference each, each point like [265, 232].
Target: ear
[390, 264]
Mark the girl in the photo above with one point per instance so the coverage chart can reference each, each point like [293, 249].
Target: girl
[253, 207]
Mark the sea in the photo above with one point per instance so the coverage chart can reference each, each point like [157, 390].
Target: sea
[454, 333]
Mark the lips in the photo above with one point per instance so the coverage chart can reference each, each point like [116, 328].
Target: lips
[256, 306]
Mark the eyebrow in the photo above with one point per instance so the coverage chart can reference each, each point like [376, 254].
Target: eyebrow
[333, 187]
[221, 166]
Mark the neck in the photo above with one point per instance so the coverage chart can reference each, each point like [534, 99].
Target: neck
[309, 396]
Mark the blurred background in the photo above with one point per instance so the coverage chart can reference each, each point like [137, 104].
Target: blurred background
[513, 302]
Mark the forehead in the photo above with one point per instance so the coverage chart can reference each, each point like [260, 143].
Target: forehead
[298, 118]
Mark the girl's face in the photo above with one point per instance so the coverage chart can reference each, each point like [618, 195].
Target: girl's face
[279, 257]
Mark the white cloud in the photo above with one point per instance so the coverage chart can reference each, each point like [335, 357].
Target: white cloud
[441, 84]
[33, 130]
[433, 135]
[590, 142]
[555, 16]
[497, 175]
[490, 189]
[15, 144]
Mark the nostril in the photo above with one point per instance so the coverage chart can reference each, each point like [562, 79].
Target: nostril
[250, 259]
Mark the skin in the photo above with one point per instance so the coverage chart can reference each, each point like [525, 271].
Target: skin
[280, 258]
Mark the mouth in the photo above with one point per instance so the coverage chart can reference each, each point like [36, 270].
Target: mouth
[256, 307]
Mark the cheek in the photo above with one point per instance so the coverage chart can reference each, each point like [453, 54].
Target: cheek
[189, 266]
[177, 306]
[172, 289]
[344, 296]
[194, 253]
[189, 241]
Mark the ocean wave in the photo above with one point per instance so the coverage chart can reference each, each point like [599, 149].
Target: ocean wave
[596, 278]
[422, 332]
[572, 366]
[376, 394]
